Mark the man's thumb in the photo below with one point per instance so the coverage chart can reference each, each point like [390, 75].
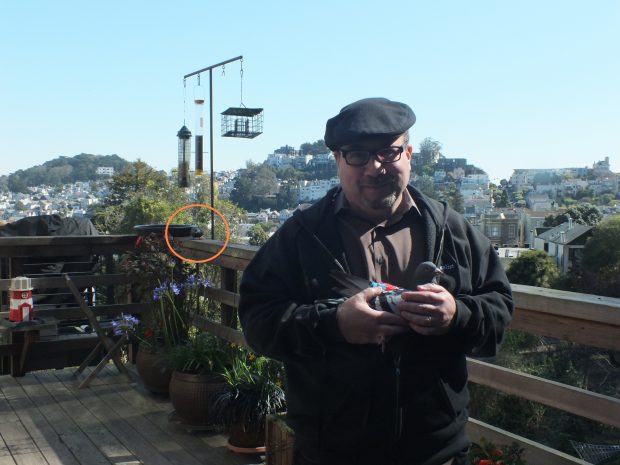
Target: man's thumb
[372, 292]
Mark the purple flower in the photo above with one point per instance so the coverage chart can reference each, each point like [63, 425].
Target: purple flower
[124, 325]
[191, 281]
[157, 292]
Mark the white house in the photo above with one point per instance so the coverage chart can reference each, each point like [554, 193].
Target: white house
[564, 243]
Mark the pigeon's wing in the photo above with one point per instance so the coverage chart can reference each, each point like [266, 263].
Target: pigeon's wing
[351, 284]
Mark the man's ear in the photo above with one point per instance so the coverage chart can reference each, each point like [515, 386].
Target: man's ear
[409, 151]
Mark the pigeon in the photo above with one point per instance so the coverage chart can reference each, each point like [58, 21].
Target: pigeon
[425, 273]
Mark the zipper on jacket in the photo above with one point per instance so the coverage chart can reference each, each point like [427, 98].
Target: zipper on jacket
[398, 411]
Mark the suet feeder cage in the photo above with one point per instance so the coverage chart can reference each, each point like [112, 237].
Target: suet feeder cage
[242, 122]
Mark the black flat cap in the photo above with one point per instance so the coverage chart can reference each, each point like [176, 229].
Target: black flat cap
[366, 118]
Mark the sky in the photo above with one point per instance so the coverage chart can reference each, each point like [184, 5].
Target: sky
[528, 84]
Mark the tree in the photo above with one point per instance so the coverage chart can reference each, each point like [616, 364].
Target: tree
[252, 185]
[502, 200]
[426, 185]
[583, 214]
[314, 148]
[533, 268]
[430, 150]
[137, 177]
[138, 195]
[455, 198]
[17, 184]
[258, 236]
[600, 263]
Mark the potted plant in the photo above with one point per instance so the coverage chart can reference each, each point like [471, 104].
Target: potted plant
[198, 365]
[253, 390]
[486, 452]
[173, 291]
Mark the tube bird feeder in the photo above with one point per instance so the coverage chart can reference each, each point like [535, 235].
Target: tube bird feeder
[185, 153]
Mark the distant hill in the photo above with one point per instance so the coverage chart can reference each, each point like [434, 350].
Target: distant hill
[63, 170]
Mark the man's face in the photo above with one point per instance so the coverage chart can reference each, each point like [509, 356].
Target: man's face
[375, 189]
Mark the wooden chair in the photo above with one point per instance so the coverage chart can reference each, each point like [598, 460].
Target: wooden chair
[111, 348]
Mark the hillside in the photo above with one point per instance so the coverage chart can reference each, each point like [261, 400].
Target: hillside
[61, 170]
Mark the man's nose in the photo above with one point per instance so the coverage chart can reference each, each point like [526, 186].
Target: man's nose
[374, 165]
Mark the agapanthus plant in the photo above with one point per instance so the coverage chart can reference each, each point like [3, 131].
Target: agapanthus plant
[173, 286]
[125, 325]
[176, 303]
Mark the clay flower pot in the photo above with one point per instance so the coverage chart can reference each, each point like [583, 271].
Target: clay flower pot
[153, 371]
[191, 395]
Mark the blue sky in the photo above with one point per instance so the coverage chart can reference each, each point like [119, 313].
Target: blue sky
[529, 84]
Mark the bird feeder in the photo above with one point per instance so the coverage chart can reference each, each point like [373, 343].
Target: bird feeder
[242, 122]
[185, 152]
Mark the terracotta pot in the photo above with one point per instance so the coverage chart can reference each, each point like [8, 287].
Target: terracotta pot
[247, 436]
[190, 395]
[154, 374]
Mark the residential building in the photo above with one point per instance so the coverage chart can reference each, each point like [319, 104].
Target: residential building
[564, 243]
[538, 202]
[105, 170]
[501, 227]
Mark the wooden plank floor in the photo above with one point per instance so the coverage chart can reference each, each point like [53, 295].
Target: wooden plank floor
[46, 420]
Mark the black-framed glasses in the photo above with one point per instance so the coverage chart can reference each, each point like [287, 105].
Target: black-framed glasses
[357, 157]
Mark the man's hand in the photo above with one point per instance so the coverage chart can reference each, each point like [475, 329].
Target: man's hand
[360, 324]
[430, 310]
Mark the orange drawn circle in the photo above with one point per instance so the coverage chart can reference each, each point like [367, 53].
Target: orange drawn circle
[217, 212]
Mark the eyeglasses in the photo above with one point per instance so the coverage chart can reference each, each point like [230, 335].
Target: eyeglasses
[360, 157]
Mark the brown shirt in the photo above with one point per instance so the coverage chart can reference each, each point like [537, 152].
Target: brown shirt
[386, 252]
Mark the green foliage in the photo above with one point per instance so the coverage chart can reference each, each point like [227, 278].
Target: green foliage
[4, 183]
[583, 214]
[430, 150]
[202, 354]
[252, 185]
[254, 391]
[258, 236]
[315, 148]
[426, 185]
[138, 195]
[454, 198]
[600, 262]
[533, 268]
[501, 199]
[202, 216]
[174, 289]
[64, 170]
[516, 341]
[487, 453]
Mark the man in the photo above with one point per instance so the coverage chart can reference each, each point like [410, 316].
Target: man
[367, 386]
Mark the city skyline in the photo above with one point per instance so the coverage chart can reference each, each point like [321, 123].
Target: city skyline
[505, 86]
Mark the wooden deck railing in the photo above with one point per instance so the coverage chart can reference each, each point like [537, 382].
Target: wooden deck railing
[584, 319]
[91, 263]
[580, 318]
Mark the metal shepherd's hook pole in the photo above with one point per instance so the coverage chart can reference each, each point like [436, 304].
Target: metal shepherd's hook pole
[210, 69]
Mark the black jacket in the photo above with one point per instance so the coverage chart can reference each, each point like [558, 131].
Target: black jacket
[353, 404]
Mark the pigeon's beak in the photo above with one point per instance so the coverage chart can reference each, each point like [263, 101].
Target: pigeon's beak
[438, 271]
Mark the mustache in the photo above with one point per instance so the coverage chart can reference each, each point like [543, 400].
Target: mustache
[376, 181]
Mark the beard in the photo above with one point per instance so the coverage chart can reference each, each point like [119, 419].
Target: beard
[387, 193]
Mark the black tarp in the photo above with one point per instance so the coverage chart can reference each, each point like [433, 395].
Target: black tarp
[49, 225]
[52, 225]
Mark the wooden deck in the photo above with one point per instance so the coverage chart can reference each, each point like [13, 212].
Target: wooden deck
[46, 420]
